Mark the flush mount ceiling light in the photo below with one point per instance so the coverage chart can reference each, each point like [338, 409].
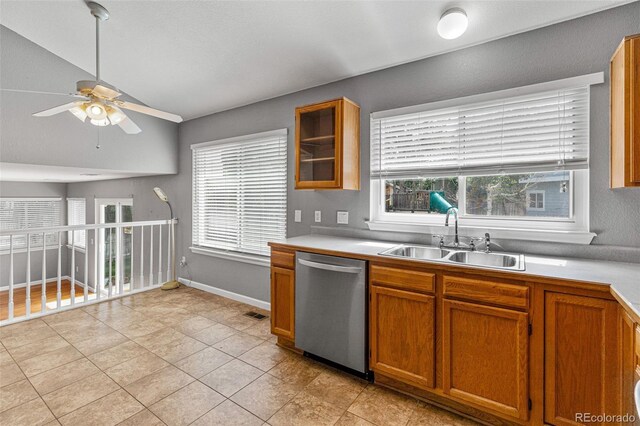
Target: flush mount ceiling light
[453, 23]
[99, 101]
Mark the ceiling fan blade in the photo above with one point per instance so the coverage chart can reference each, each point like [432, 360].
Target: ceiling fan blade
[149, 111]
[129, 126]
[37, 92]
[55, 110]
[105, 92]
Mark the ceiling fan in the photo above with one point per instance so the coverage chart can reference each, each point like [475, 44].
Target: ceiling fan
[99, 101]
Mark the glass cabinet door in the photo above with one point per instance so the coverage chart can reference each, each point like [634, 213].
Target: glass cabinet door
[327, 145]
[317, 145]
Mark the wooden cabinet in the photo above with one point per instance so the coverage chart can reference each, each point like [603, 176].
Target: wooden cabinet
[486, 357]
[402, 335]
[484, 291]
[581, 357]
[328, 145]
[490, 345]
[283, 294]
[628, 360]
[625, 114]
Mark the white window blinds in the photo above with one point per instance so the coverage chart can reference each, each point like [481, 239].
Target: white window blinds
[539, 131]
[76, 215]
[240, 192]
[29, 213]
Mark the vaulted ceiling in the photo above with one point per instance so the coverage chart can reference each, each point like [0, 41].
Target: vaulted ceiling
[199, 57]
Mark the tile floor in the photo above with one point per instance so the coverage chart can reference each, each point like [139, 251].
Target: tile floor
[177, 358]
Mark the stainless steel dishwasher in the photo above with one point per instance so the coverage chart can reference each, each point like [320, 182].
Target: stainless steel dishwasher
[331, 309]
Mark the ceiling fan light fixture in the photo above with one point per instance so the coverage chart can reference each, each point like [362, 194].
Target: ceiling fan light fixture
[79, 113]
[453, 23]
[115, 115]
[100, 122]
[96, 111]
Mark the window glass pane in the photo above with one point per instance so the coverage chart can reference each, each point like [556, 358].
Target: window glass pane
[423, 196]
[514, 196]
[520, 195]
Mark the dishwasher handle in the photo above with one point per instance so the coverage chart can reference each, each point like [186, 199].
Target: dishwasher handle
[330, 267]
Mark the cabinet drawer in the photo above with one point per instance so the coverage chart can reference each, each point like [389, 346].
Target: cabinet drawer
[283, 259]
[497, 293]
[394, 277]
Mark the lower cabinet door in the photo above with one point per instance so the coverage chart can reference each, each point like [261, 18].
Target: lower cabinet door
[402, 336]
[628, 361]
[582, 358]
[282, 302]
[485, 357]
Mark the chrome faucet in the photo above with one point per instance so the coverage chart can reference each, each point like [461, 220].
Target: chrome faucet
[456, 239]
[487, 243]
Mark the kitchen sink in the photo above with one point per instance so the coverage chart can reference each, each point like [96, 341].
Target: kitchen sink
[491, 260]
[473, 258]
[416, 252]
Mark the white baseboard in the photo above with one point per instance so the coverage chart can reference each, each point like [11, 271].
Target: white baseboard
[228, 294]
[39, 282]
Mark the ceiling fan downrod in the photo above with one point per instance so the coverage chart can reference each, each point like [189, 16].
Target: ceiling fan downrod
[101, 14]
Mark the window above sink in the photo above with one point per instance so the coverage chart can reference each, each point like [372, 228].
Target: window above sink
[514, 162]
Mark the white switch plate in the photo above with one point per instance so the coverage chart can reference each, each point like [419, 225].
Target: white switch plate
[343, 218]
[298, 216]
[318, 216]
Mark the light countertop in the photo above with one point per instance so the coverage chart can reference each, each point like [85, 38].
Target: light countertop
[623, 278]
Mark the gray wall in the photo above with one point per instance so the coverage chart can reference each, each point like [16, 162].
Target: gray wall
[61, 140]
[567, 49]
[31, 189]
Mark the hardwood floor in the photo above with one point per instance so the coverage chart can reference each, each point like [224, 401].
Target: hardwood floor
[20, 294]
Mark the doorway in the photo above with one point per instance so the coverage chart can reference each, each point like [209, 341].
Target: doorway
[115, 246]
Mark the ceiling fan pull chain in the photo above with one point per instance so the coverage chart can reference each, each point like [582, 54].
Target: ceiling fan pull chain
[98, 145]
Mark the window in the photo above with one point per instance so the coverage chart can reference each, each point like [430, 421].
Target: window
[512, 159]
[240, 193]
[535, 201]
[76, 215]
[29, 213]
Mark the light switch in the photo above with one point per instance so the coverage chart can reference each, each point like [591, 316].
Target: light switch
[343, 218]
[318, 216]
[298, 216]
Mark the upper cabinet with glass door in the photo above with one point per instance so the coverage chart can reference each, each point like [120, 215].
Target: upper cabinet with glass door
[328, 145]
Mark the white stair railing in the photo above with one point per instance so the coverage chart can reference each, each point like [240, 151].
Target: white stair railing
[23, 308]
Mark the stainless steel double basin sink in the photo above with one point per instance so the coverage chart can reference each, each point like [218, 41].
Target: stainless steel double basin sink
[460, 257]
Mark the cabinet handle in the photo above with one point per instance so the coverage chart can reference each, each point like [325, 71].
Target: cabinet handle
[330, 267]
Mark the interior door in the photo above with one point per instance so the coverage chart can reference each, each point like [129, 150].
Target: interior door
[115, 245]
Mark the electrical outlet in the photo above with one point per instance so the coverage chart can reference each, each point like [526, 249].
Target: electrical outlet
[318, 216]
[343, 218]
[77, 269]
[297, 216]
